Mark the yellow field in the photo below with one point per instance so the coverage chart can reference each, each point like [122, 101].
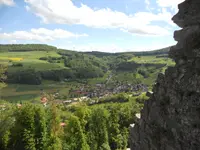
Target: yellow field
[12, 58]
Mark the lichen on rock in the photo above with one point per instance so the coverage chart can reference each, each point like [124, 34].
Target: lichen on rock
[170, 119]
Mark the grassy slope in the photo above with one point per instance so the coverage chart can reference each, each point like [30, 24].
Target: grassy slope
[153, 60]
[30, 59]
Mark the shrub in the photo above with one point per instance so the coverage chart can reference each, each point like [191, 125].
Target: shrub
[17, 65]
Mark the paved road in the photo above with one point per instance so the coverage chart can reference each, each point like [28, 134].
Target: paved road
[108, 79]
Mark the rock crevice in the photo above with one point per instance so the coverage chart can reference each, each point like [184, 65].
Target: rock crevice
[170, 119]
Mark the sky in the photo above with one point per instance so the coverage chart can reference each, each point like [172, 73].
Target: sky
[89, 25]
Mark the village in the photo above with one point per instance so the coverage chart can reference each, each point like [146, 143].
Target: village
[83, 94]
[92, 96]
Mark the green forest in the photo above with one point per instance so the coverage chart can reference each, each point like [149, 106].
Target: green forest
[54, 127]
[56, 99]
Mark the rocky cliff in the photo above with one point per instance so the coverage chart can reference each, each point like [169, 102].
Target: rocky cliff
[170, 119]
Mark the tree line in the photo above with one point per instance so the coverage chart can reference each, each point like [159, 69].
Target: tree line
[55, 127]
[25, 47]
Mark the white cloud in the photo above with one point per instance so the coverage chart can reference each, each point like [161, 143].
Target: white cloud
[13, 42]
[65, 12]
[153, 46]
[112, 48]
[41, 34]
[93, 47]
[56, 33]
[7, 2]
[150, 30]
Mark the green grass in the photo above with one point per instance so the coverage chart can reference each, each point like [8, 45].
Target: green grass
[129, 77]
[30, 60]
[15, 92]
[152, 59]
[98, 80]
[21, 98]
[37, 66]
[29, 55]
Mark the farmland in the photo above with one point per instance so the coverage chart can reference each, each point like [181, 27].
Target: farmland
[83, 92]
[61, 71]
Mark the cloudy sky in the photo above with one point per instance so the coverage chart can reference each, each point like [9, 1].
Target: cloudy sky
[86, 25]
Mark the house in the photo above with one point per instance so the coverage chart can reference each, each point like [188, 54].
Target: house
[19, 105]
[98, 85]
[2, 107]
[75, 99]
[79, 92]
[44, 100]
[138, 115]
[67, 101]
[132, 125]
[62, 124]
[83, 98]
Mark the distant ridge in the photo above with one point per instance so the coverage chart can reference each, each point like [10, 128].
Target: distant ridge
[26, 47]
[163, 51]
[44, 47]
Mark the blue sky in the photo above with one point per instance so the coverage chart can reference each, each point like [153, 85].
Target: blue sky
[89, 25]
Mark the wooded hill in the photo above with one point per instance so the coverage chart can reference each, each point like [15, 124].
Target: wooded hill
[32, 63]
[163, 51]
[104, 125]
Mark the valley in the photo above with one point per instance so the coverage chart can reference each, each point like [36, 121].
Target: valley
[33, 69]
[55, 99]
[89, 75]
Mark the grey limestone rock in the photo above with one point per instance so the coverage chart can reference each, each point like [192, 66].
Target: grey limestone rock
[170, 119]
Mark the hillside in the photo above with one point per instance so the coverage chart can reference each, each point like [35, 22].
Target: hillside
[60, 99]
[163, 51]
[32, 68]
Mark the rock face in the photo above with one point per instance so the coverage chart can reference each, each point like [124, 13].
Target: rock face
[170, 119]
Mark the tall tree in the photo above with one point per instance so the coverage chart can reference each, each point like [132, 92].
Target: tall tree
[3, 77]
[40, 123]
[23, 135]
[97, 129]
[6, 123]
[55, 131]
[75, 138]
